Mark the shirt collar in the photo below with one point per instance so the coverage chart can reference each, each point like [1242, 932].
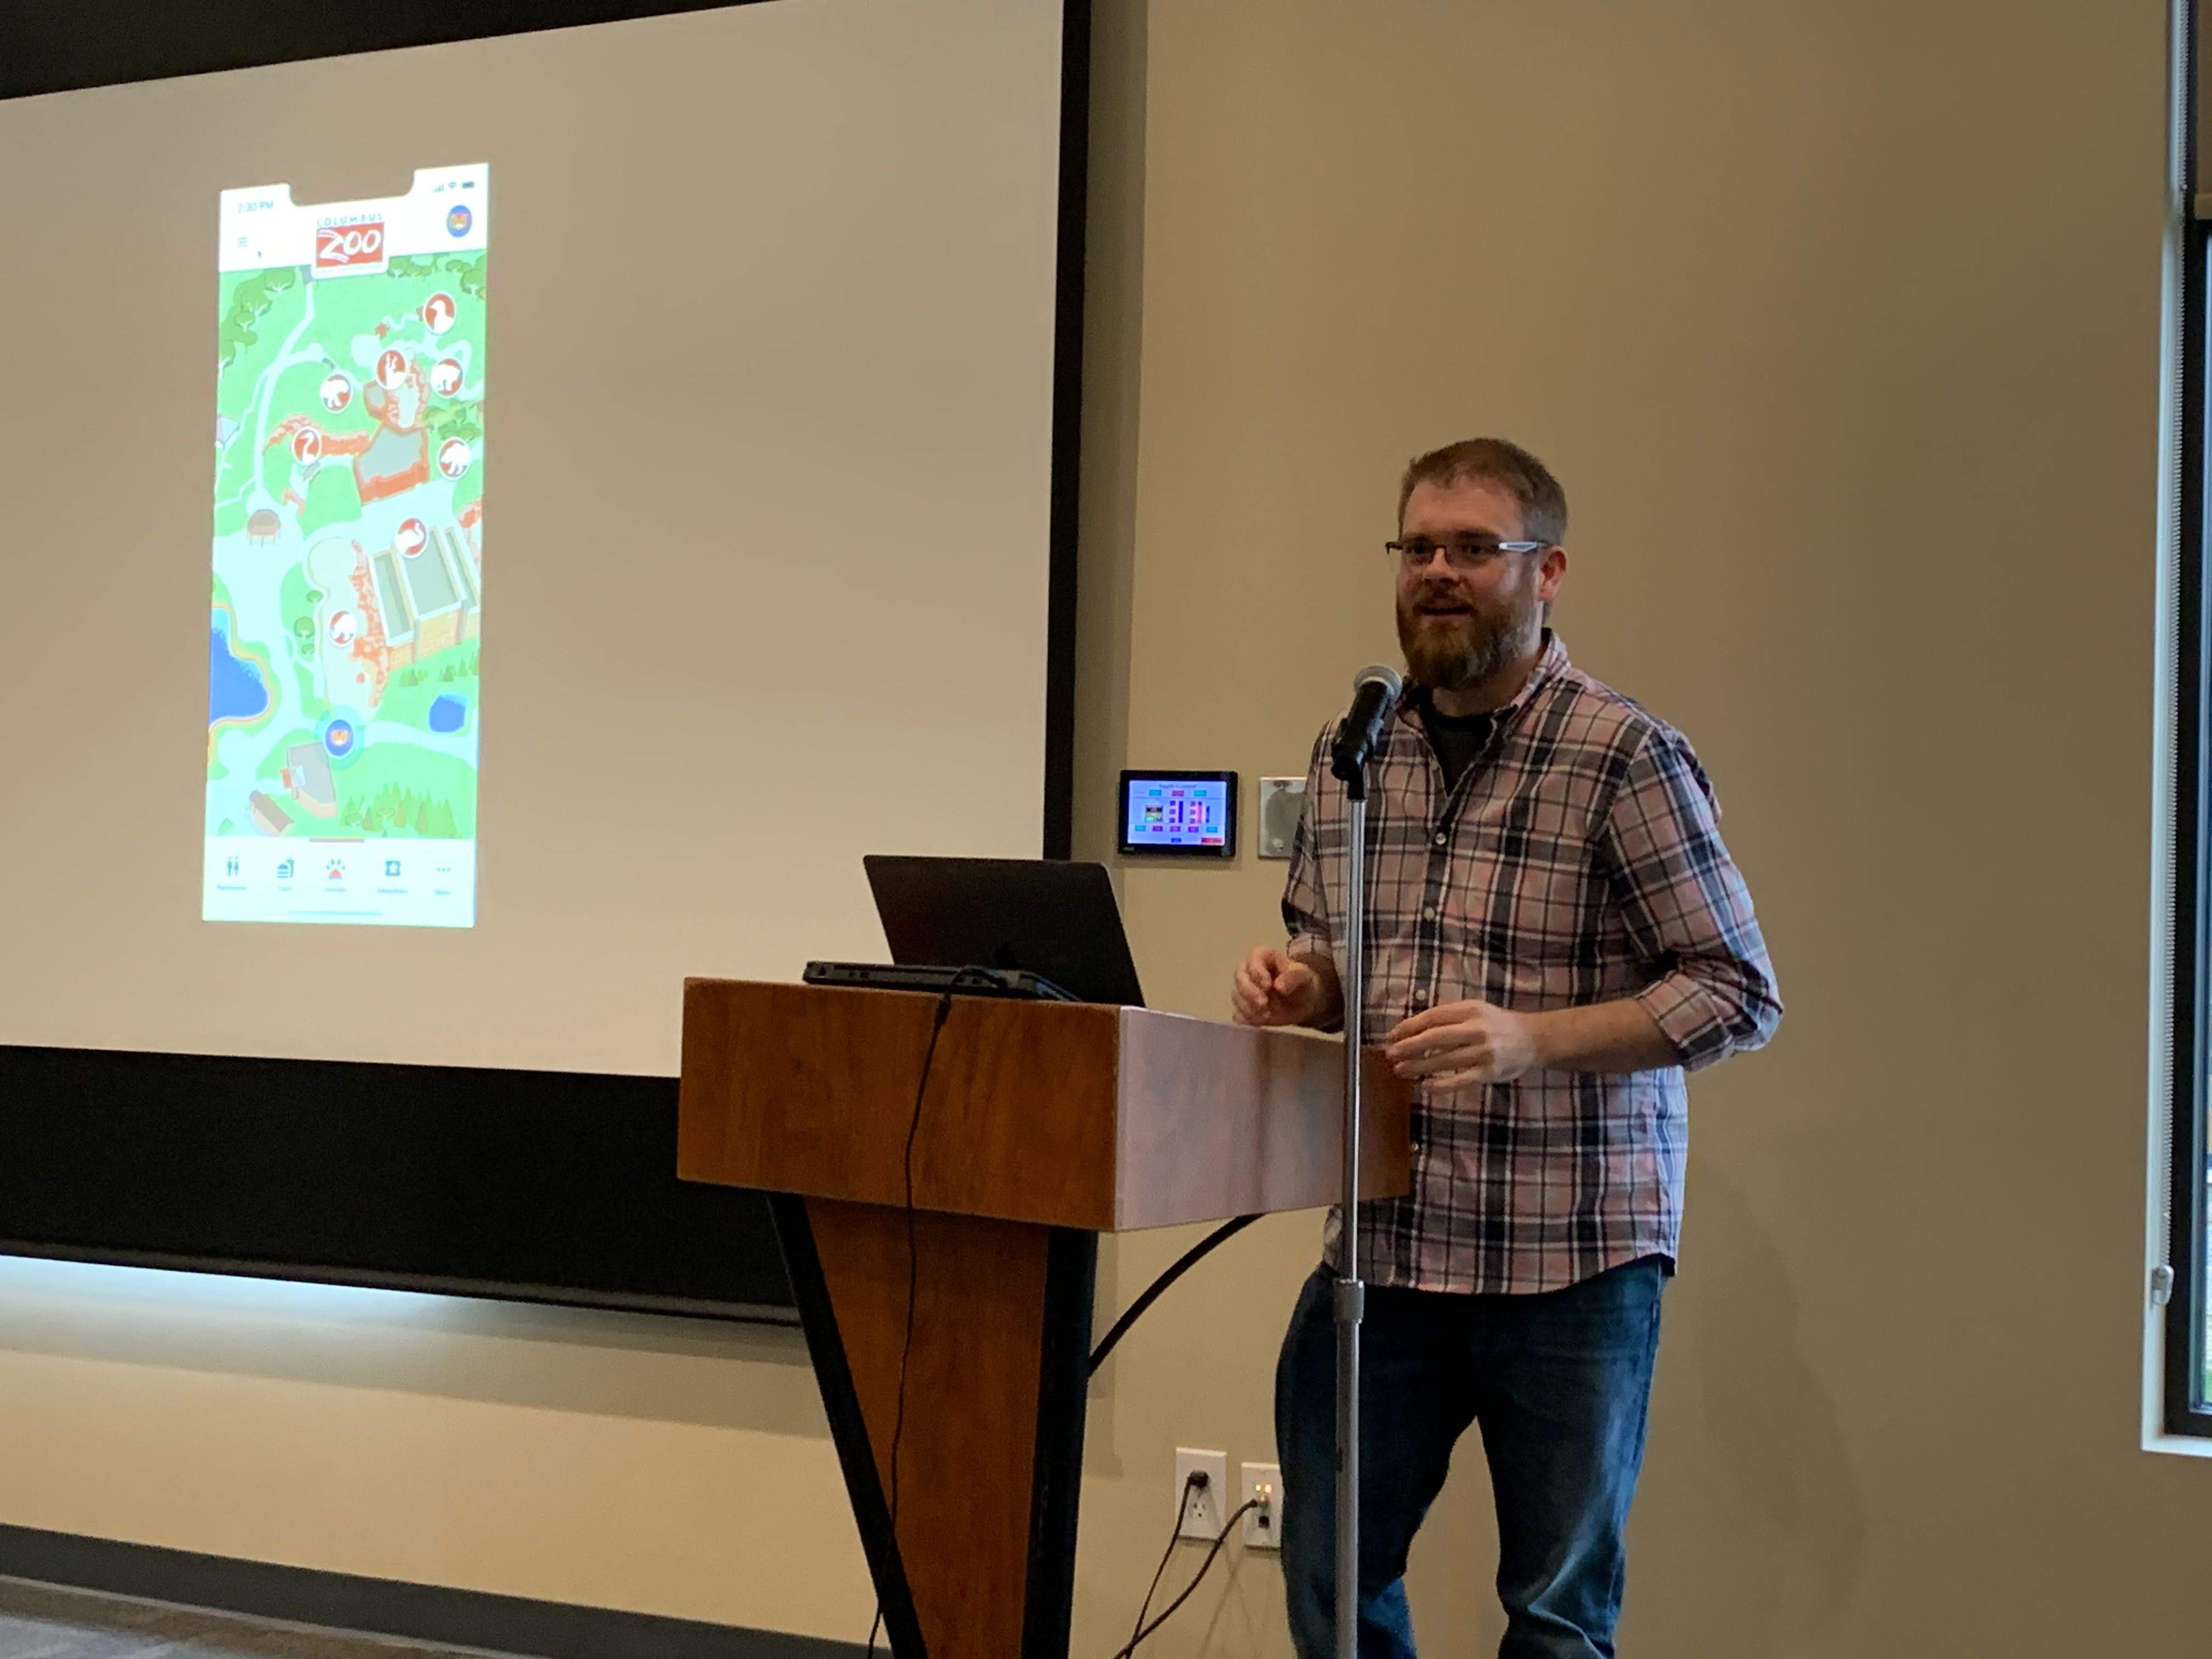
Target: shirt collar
[1550, 663]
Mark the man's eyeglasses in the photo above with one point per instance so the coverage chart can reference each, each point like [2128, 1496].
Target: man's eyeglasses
[1460, 552]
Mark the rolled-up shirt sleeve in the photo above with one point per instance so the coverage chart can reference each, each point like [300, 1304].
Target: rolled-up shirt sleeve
[1687, 909]
[1305, 900]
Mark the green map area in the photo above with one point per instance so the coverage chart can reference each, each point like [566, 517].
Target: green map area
[347, 551]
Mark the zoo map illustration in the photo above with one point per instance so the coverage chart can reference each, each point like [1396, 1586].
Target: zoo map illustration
[346, 621]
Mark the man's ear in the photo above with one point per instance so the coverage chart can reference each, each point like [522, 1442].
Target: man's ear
[1551, 573]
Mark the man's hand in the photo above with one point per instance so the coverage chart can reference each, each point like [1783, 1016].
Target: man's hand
[1275, 988]
[1458, 1043]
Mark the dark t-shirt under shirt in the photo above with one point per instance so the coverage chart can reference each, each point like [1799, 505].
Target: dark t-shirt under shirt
[1457, 739]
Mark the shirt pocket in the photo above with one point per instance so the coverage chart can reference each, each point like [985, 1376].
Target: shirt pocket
[1522, 912]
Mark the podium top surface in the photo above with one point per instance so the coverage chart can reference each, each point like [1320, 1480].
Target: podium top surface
[1073, 1115]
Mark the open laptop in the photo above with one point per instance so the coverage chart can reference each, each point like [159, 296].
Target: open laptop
[1023, 921]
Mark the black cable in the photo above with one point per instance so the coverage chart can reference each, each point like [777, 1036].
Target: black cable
[1191, 1589]
[913, 1240]
[1190, 1258]
[913, 1273]
[1195, 1481]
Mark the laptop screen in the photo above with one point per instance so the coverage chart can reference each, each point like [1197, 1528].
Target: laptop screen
[1056, 919]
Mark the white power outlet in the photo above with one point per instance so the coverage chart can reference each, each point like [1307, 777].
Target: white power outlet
[1263, 1521]
[1200, 1512]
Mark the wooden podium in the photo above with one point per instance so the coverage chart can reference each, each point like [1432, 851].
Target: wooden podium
[1042, 1125]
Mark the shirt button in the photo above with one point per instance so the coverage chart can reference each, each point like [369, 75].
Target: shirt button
[1428, 912]
[1442, 838]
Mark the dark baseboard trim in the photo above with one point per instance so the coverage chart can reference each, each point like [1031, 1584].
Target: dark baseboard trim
[383, 1606]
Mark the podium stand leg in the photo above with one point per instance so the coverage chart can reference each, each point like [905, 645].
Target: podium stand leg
[981, 1563]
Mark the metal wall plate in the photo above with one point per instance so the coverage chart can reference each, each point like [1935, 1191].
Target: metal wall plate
[1282, 803]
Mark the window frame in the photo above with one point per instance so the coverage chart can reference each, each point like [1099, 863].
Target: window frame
[2187, 1399]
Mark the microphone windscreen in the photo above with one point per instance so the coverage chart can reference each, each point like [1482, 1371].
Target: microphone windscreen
[1380, 674]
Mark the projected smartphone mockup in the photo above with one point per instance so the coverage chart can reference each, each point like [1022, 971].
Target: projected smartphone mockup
[343, 689]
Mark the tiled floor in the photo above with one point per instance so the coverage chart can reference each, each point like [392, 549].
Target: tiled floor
[39, 1621]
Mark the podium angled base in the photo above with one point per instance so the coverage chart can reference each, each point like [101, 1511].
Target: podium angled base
[982, 1562]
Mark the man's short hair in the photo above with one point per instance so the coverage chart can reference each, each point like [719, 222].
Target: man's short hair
[1494, 461]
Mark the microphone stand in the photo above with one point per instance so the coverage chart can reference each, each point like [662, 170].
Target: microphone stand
[1375, 693]
[1351, 1292]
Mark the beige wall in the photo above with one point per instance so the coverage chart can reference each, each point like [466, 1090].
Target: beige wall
[1840, 324]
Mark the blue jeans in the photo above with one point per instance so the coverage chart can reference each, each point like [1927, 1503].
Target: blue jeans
[1559, 1383]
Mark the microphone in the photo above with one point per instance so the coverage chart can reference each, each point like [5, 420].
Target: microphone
[1375, 693]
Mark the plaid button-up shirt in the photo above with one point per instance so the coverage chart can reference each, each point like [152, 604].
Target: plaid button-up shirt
[1578, 861]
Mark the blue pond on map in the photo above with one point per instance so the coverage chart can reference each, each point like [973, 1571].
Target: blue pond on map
[235, 691]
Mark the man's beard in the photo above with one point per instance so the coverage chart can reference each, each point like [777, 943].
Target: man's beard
[1468, 651]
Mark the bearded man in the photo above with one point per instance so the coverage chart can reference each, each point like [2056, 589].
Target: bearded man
[1555, 935]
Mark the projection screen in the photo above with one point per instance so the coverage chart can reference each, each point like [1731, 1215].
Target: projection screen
[613, 468]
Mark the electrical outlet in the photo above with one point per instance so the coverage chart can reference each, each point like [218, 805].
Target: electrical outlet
[1202, 1511]
[1263, 1489]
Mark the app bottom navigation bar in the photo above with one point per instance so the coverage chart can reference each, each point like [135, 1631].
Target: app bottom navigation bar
[400, 883]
